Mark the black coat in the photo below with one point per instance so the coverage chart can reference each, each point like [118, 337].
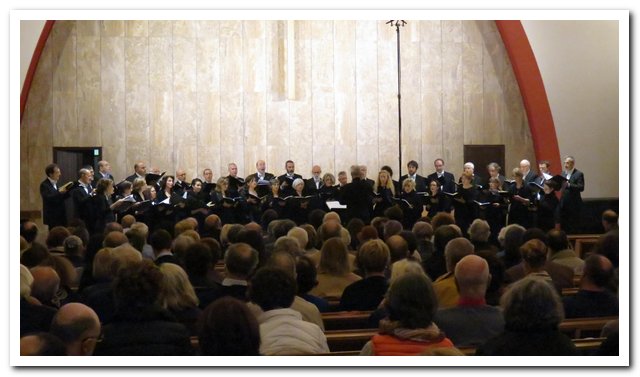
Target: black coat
[53, 209]
[357, 196]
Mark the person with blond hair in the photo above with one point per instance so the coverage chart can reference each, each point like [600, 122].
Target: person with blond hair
[178, 296]
[366, 294]
[334, 270]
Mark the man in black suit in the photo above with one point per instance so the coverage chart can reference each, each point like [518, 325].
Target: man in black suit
[240, 261]
[180, 185]
[446, 179]
[286, 180]
[527, 174]
[53, 209]
[571, 199]
[104, 171]
[421, 182]
[313, 185]
[543, 169]
[357, 196]
[363, 172]
[81, 195]
[140, 170]
[263, 178]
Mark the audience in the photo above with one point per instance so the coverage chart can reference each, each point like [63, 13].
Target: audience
[593, 299]
[78, 327]
[282, 330]
[445, 287]
[334, 271]
[366, 294]
[228, 328]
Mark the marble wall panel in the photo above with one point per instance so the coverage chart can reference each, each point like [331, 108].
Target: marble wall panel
[161, 133]
[65, 119]
[184, 29]
[160, 64]
[493, 112]
[345, 98]
[89, 132]
[63, 43]
[231, 74]
[472, 67]
[136, 28]
[209, 157]
[453, 131]
[473, 106]
[432, 132]
[186, 158]
[160, 28]
[88, 28]
[112, 123]
[366, 82]
[88, 65]
[431, 31]
[38, 113]
[451, 31]
[368, 156]
[255, 125]
[112, 63]
[138, 141]
[387, 95]
[184, 64]
[208, 64]
[112, 28]
[209, 118]
[38, 158]
[136, 64]
[411, 99]
[185, 126]
[472, 31]
[323, 155]
[118, 161]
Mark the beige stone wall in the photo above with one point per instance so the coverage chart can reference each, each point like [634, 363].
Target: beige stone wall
[197, 94]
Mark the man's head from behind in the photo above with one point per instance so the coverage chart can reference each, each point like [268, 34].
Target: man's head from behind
[472, 277]
[78, 326]
[240, 260]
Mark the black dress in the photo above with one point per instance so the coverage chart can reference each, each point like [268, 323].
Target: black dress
[437, 203]
[548, 211]
[382, 200]
[519, 212]
[413, 211]
[465, 208]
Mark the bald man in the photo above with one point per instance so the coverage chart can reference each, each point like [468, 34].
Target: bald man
[445, 285]
[527, 174]
[261, 176]
[78, 326]
[140, 171]
[46, 283]
[41, 344]
[181, 185]
[471, 322]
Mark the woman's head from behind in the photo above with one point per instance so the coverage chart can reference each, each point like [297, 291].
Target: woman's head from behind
[532, 304]
[411, 301]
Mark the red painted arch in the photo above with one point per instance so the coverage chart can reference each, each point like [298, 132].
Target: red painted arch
[534, 96]
[523, 61]
[42, 41]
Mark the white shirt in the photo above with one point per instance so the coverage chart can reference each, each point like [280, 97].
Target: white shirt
[54, 183]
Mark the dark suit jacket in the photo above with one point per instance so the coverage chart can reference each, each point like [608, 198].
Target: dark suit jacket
[53, 209]
[530, 177]
[108, 176]
[310, 186]
[421, 182]
[287, 189]
[167, 259]
[263, 190]
[357, 196]
[571, 194]
[447, 182]
[81, 204]
[131, 178]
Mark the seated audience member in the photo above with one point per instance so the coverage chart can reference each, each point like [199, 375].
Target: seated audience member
[141, 327]
[398, 248]
[513, 239]
[593, 299]
[366, 294]
[532, 312]
[334, 270]
[239, 263]
[536, 262]
[409, 330]
[34, 255]
[282, 330]
[306, 277]
[46, 284]
[34, 317]
[436, 265]
[78, 326]
[178, 296]
[561, 253]
[74, 252]
[479, 233]
[198, 264]
[68, 279]
[160, 241]
[55, 239]
[41, 344]
[228, 328]
[471, 322]
[424, 233]
[445, 286]
[287, 263]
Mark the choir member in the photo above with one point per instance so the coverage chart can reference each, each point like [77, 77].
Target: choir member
[437, 201]
[463, 202]
[411, 203]
[520, 195]
[384, 192]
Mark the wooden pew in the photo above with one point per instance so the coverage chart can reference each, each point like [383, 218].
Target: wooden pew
[569, 291]
[577, 328]
[346, 320]
[348, 340]
[584, 346]
[583, 243]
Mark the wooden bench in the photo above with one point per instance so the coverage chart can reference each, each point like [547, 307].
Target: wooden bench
[348, 340]
[577, 328]
[569, 291]
[346, 320]
[584, 346]
[583, 244]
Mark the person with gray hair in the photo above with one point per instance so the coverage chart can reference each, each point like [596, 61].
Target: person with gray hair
[532, 313]
[479, 233]
[46, 284]
[288, 244]
[240, 261]
[78, 326]
[570, 197]
[81, 195]
[357, 195]
[471, 322]
[445, 286]
[527, 174]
